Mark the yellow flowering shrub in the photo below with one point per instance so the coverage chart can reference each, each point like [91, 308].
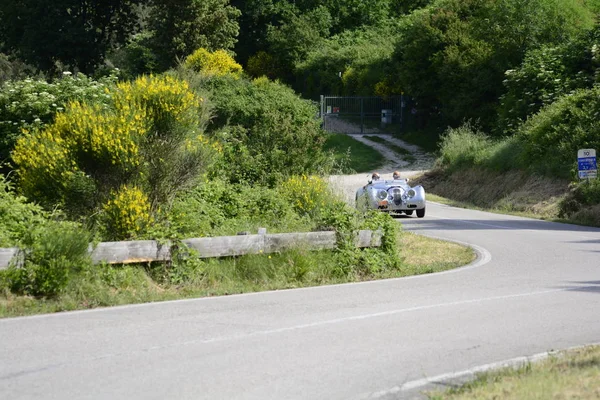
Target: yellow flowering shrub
[308, 193]
[85, 138]
[127, 213]
[151, 134]
[214, 63]
[165, 100]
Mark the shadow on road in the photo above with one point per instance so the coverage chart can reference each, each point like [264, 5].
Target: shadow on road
[585, 287]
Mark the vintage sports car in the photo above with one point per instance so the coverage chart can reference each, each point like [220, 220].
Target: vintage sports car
[395, 196]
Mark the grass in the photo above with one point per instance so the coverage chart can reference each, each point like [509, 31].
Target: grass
[406, 154]
[427, 139]
[105, 285]
[362, 157]
[567, 375]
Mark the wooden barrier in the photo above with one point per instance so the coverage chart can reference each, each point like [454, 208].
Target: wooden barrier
[220, 246]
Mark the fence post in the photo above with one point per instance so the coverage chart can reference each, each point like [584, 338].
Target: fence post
[362, 115]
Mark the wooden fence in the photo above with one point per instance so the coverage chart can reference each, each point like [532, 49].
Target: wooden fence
[220, 246]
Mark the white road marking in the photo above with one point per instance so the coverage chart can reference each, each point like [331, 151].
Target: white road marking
[448, 377]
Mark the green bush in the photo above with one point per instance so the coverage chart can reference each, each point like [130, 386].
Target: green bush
[361, 56]
[265, 129]
[32, 104]
[150, 137]
[217, 62]
[466, 147]
[453, 54]
[217, 207]
[547, 74]
[581, 195]
[52, 253]
[17, 215]
[553, 136]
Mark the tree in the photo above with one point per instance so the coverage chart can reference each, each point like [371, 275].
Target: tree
[454, 53]
[75, 33]
[179, 27]
[262, 17]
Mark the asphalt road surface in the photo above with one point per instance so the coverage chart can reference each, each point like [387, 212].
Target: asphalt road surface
[535, 288]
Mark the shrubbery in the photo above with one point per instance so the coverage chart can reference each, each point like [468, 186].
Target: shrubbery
[554, 135]
[546, 75]
[150, 136]
[31, 104]
[217, 207]
[17, 215]
[361, 56]
[218, 62]
[466, 147]
[454, 53]
[50, 249]
[51, 254]
[267, 132]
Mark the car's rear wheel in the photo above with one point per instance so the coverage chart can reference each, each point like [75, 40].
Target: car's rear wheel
[408, 212]
[421, 213]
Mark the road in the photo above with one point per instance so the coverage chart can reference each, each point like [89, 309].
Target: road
[536, 287]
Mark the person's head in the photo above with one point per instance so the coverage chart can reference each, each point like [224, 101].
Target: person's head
[375, 176]
[396, 175]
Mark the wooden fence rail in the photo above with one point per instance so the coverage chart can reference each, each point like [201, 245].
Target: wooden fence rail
[220, 246]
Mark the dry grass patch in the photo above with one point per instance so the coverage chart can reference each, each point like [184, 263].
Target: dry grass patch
[509, 192]
[566, 375]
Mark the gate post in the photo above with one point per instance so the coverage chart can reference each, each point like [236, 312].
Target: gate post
[362, 116]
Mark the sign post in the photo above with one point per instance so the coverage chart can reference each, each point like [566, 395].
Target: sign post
[586, 162]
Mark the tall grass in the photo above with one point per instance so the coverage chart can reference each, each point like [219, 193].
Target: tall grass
[467, 147]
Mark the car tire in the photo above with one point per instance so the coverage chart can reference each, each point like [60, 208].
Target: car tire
[408, 212]
[421, 213]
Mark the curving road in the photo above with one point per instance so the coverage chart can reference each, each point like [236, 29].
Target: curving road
[535, 287]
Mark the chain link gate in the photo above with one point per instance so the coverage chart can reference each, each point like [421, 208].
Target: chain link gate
[358, 114]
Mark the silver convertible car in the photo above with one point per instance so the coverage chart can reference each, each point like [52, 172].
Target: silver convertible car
[395, 196]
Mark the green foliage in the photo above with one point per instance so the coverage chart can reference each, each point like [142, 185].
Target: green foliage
[290, 42]
[453, 54]
[263, 64]
[29, 104]
[466, 147]
[74, 33]
[216, 207]
[361, 56]
[217, 62]
[404, 7]
[50, 250]
[135, 57]
[554, 135]
[308, 194]
[17, 215]
[581, 195]
[265, 129]
[12, 69]
[547, 74]
[287, 30]
[52, 253]
[180, 27]
[150, 136]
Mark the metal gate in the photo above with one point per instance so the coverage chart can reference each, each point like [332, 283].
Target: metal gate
[363, 114]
